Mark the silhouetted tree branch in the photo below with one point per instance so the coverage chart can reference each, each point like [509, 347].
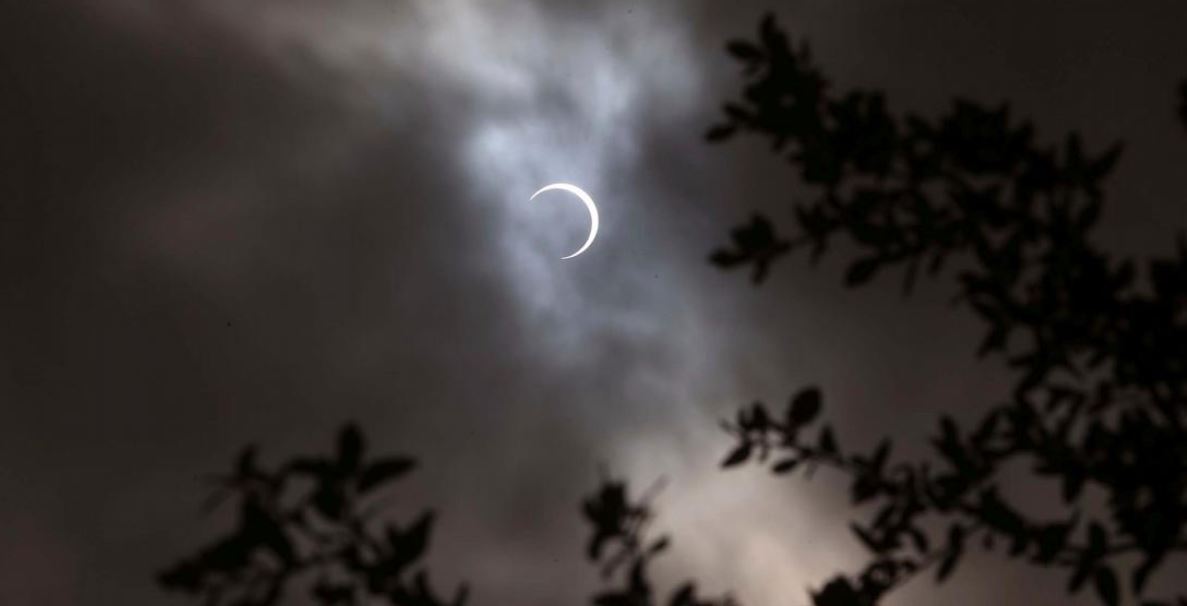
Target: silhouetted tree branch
[308, 521]
[1100, 358]
[1183, 102]
[621, 547]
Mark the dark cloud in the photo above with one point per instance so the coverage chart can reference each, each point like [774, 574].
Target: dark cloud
[231, 222]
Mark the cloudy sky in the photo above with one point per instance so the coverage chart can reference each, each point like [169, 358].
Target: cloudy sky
[224, 222]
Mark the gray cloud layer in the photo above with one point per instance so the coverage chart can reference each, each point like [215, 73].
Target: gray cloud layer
[234, 221]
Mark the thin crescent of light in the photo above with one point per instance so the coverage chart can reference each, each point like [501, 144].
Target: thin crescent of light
[589, 205]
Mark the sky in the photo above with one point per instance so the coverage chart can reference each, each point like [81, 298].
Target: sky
[226, 222]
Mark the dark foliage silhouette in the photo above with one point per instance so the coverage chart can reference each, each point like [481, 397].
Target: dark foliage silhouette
[1183, 102]
[312, 522]
[622, 549]
[1098, 346]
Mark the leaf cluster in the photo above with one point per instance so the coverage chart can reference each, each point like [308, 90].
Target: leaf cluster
[926, 514]
[312, 518]
[621, 547]
[1097, 344]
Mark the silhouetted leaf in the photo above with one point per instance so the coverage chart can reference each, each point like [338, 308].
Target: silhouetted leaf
[684, 596]
[246, 462]
[804, 407]
[827, 443]
[658, 546]
[720, 132]
[1072, 482]
[1106, 585]
[1051, 541]
[615, 598]
[1097, 539]
[1103, 165]
[412, 543]
[1080, 574]
[881, 454]
[327, 592]
[861, 271]
[330, 502]
[952, 553]
[785, 466]
[743, 50]
[738, 455]
[866, 538]
[725, 259]
[838, 592]
[1141, 574]
[350, 447]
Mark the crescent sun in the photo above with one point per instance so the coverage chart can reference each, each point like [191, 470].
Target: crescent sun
[589, 205]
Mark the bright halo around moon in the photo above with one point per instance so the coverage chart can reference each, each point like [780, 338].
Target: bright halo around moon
[589, 205]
